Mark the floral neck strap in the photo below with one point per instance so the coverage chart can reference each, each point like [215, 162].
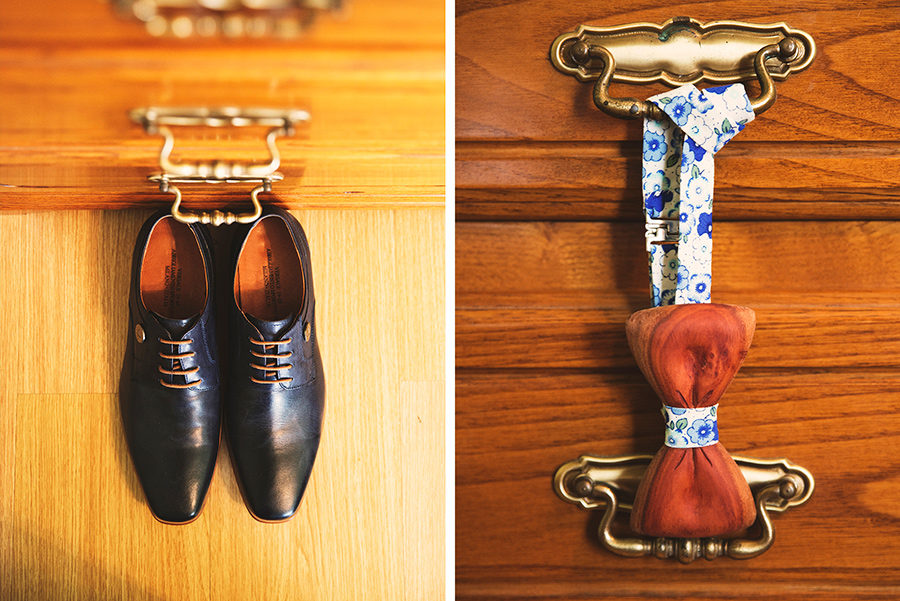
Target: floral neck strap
[678, 180]
[689, 428]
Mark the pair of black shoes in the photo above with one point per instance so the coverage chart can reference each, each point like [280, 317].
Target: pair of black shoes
[272, 393]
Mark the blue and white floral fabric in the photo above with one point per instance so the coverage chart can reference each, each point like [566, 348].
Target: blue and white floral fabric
[678, 183]
[688, 428]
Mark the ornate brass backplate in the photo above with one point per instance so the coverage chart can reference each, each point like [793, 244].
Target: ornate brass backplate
[610, 483]
[160, 120]
[680, 51]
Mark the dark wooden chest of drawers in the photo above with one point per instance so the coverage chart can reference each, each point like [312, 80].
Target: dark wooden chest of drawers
[550, 261]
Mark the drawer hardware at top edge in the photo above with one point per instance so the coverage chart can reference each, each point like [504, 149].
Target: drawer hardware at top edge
[681, 51]
[228, 18]
[611, 482]
[159, 120]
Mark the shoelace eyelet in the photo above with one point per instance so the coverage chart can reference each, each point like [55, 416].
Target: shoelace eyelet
[177, 369]
[266, 356]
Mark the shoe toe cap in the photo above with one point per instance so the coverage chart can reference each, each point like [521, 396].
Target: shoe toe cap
[176, 493]
[170, 512]
[274, 487]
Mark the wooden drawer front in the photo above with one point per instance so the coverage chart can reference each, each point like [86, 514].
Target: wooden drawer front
[71, 76]
[550, 261]
[515, 539]
[532, 144]
[502, 49]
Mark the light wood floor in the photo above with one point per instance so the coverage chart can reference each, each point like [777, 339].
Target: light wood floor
[73, 522]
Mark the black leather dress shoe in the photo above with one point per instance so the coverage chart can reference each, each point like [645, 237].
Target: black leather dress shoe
[169, 389]
[276, 392]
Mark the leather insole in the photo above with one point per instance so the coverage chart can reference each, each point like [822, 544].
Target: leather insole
[268, 280]
[173, 278]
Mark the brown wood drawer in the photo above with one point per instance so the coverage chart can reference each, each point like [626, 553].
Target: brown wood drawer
[70, 78]
[550, 261]
[532, 145]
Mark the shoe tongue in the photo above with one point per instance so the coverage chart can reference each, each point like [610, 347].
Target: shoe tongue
[272, 330]
[177, 328]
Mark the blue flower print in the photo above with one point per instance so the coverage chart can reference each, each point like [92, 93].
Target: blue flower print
[670, 267]
[679, 109]
[704, 225]
[678, 170]
[685, 226]
[657, 200]
[722, 138]
[701, 133]
[703, 432]
[665, 263]
[654, 146]
[736, 100]
[684, 277]
[657, 191]
[695, 149]
[698, 191]
[655, 181]
[717, 90]
[699, 286]
[700, 101]
[697, 252]
[678, 441]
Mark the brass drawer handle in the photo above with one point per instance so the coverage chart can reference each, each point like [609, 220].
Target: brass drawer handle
[611, 482]
[681, 51]
[159, 120]
[216, 217]
[228, 18]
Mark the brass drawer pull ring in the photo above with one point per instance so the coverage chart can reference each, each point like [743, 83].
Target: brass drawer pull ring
[215, 217]
[159, 120]
[681, 51]
[611, 482]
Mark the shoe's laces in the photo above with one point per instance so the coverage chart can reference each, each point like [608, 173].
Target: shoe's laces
[274, 356]
[177, 367]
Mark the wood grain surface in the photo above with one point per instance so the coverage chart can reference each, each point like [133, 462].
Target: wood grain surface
[73, 521]
[601, 180]
[846, 94]
[533, 146]
[515, 539]
[368, 172]
[373, 82]
[550, 262]
[556, 295]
